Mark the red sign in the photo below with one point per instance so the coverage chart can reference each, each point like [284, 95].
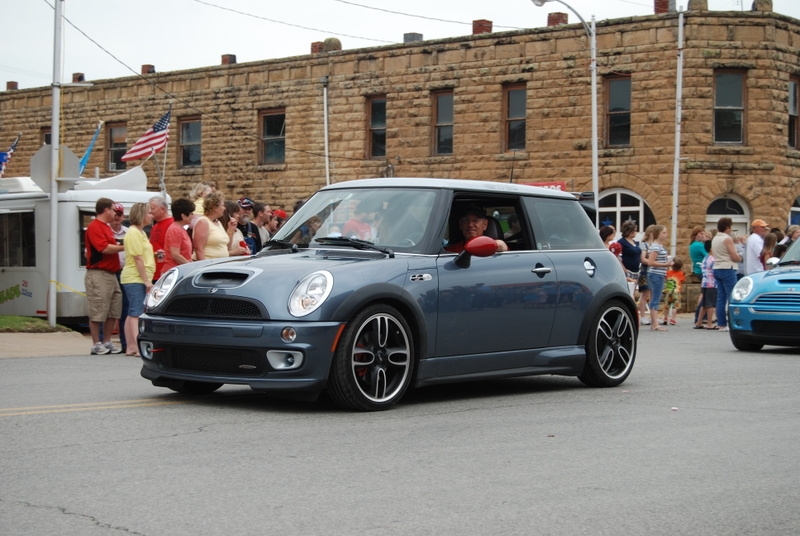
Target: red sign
[554, 185]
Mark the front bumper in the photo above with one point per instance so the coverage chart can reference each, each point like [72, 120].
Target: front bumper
[751, 323]
[235, 352]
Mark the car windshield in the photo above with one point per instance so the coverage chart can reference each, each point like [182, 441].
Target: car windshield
[392, 218]
[792, 255]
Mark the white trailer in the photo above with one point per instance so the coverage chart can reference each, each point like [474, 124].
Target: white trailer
[25, 238]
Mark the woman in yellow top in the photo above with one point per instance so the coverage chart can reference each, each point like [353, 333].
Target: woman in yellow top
[137, 274]
[209, 239]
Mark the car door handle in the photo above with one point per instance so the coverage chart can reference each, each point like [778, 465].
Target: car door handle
[541, 271]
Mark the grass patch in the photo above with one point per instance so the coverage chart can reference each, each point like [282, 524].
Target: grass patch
[27, 324]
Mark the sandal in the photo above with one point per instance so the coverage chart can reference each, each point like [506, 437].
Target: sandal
[658, 328]
[135, 354]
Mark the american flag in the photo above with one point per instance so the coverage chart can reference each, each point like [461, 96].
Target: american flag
[152, 141]
[6, 157]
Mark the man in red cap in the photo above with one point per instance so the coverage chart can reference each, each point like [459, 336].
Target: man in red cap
[753, 247]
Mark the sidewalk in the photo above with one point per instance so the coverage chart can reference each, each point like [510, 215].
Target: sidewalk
[45, 344]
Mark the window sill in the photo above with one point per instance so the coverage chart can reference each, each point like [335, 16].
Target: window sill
[730, 150]
[792, 153]
[615, 151]
[511, 155]
[272, 167]
[190, 170]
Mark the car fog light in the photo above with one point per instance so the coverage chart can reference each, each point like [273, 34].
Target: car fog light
[146, 349]
[283, 360]
[288, 334]
[736, 311]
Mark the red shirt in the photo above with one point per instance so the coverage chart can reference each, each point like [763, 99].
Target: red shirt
[157, 234]
[98, 237]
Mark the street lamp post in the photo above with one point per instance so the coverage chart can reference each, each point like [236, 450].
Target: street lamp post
[591, 31]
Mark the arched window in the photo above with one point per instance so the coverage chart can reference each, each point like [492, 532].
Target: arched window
[617, 206]
[732, 206]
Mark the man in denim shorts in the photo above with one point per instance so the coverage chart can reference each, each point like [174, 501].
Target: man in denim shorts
[103, 294]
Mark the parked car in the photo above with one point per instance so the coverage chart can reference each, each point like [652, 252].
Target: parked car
[357, 295]
[765, 306]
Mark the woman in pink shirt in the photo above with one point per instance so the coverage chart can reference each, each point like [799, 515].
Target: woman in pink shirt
[177, 242]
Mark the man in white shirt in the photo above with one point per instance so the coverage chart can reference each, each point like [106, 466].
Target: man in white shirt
[753, 247]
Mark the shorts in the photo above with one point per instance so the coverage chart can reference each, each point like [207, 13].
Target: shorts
[103, 295]
[136, 293]
[709, 295]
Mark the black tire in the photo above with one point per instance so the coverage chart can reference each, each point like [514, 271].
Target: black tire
[746, 346]
[374, 361]
[195, 388]
[610, 347]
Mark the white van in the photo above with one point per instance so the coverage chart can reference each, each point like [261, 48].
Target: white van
[25, 243]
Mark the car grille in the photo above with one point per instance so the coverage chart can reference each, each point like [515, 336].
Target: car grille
[780, 328]
[235, 362]
[215, 307]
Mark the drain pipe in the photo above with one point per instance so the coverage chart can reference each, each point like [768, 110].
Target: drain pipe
[676, 166]
[324, 81]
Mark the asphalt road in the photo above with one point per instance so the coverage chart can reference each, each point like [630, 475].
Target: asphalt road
[701, 440]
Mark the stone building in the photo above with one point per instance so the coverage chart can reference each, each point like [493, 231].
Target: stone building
[498, 106]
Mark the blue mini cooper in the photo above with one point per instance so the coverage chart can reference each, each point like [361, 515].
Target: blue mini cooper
[380, 285]
[765, 306]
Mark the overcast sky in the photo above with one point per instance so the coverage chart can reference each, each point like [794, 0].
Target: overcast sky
[186, 34]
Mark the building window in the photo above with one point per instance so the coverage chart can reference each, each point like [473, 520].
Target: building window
[17, 241]
[117, 146]
[443, 123]
[729, 98]
[794, 85]
[45, 136]
[515, 113]
[618, 110]
[273, 136]
[190, 147]
[616, 206]
[376, 108]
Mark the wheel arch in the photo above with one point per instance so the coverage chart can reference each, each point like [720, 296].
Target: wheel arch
[606, 295]
[393, 296]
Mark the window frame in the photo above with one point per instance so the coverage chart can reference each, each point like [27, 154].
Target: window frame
[115, 152]
[509, 121]
[719, 109]
[439, 125]
[611, 115]
[793, 109]
[264, 139]
[375, 131]
[184, 146]
[18, 238]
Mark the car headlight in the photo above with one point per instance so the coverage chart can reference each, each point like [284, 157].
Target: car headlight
[742, 289]
[162, 288]
[310, 293]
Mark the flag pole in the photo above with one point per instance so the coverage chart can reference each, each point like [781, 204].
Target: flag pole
[162, 184]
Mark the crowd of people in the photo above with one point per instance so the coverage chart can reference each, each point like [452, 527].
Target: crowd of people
[123, 263]
[719, 258]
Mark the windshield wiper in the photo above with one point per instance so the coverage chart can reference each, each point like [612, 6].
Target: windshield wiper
[353, 242]
[282, 244]
[788, 263]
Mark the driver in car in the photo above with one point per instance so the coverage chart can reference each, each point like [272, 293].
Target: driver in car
[473, 223]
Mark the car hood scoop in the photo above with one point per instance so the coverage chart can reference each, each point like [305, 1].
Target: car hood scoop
[221, 279]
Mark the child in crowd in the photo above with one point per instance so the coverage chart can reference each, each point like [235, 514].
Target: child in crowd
[708, 291]
[672, 291]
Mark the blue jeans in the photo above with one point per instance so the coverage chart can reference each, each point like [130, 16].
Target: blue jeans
[656, 283]
[725, 280]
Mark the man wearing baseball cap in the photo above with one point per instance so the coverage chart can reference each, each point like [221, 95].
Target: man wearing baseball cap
[753, 247]
[247, 227]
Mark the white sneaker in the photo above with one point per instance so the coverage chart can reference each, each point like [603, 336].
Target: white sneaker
[100, 349]
[645, 321]
[112, 349]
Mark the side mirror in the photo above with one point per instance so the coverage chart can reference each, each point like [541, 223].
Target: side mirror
[481, 246]
[772, 262]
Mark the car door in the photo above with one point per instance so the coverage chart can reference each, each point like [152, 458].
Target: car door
[497, 309]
